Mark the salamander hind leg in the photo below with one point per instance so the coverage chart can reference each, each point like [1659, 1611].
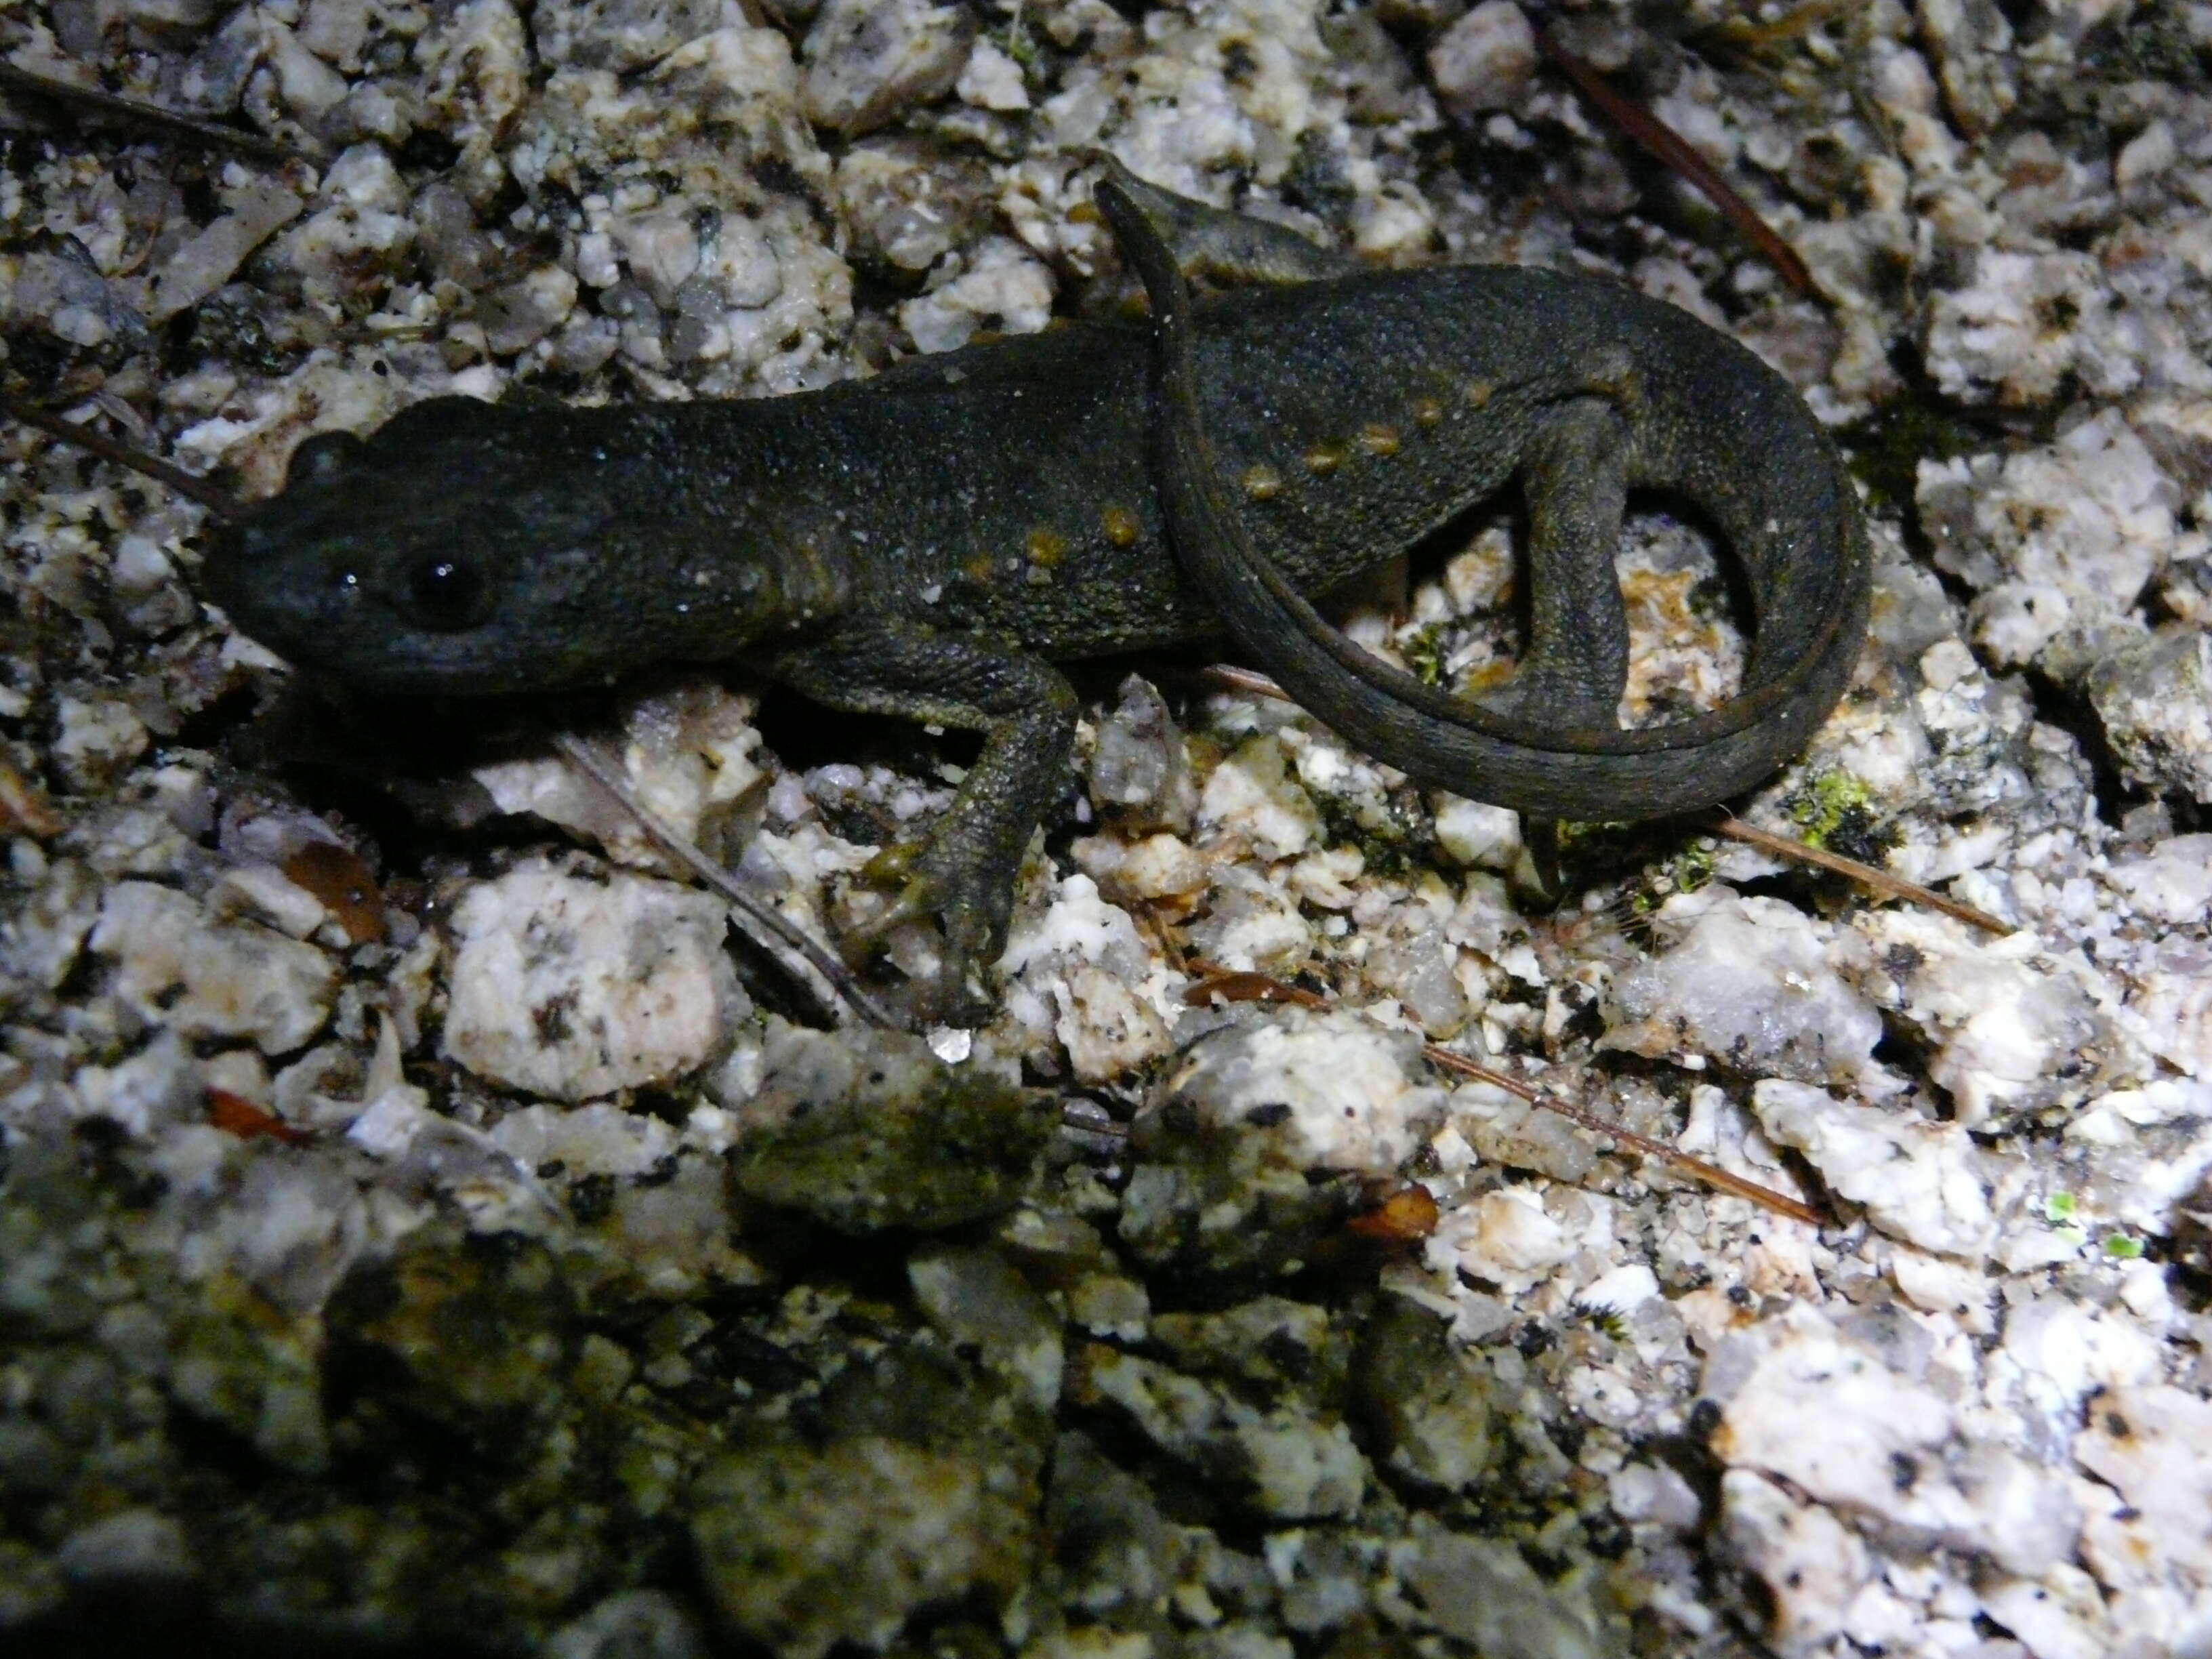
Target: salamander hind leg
[1552, 746]
[963, 872]
[1574, 472]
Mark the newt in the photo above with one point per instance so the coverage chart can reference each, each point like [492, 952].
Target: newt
[930, 542]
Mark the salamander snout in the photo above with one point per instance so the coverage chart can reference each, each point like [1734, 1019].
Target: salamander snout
[435, 561]
[463, 549]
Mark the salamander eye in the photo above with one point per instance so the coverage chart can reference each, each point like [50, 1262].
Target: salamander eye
[449, 593]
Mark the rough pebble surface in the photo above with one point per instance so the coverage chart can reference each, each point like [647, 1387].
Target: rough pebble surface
[418, 1226]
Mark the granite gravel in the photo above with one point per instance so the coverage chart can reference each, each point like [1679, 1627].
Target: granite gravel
[424, 1226]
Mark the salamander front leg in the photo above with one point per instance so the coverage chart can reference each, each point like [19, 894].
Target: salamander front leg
[963, 872]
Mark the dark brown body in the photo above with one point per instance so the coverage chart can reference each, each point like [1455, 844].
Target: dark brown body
[925, 542]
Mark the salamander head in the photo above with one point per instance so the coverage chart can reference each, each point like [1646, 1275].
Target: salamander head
[467, 550]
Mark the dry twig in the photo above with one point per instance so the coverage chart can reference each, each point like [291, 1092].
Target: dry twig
[1641, 127]
[1712, 1174]
[190, 485]
[1725, 822]
[132, 112]
[840, 978]
[1232, 986]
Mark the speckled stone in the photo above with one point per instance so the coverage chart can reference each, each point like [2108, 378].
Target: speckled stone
[880, 1132]
[176, 964]
[574, 984]
[804, 1549]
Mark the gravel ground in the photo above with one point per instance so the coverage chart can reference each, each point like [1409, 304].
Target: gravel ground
[421, 1229]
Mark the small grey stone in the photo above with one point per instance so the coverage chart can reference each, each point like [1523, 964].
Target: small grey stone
[1137, 769]
[910, 203]
[1282, 1463]
[1747, 981]
[2156, 699]
[868, 61]
[1108, 1535]
[976, 1300]
[1272, 1347]
[624, 35]
[804, 1549]
[637, 1624]
[130, 1544]
[1480, 1591]
[572, 985]
[177, 968]
[1484, 61]
[1425, 1400]
[42, 940]
[866, 1130]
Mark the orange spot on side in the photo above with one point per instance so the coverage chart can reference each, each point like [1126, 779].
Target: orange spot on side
[1120, 525]
[1262, 482]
